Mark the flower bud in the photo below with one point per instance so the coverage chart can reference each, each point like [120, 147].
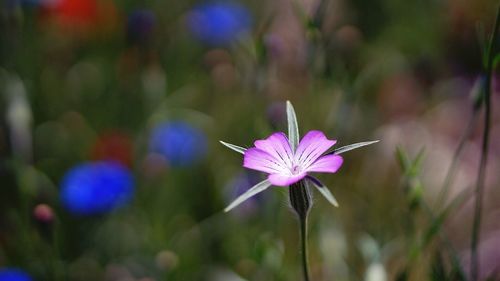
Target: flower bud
[43, 213]
[300, 198]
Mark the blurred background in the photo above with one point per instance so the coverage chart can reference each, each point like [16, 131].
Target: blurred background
[111, 113]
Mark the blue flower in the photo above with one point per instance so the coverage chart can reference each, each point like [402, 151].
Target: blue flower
[218, 24]
[181, 144]
[96, 188]
[13, 274]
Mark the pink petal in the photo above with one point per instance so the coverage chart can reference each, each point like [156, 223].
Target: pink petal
[257, 159]
[284, 179]
[277, 145]
[311, 147]
[326, 164]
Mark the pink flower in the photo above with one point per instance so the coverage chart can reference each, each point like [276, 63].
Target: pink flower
[288, 161]
[286, 166]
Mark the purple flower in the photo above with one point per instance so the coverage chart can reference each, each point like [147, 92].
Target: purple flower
[284, 166]
[288, 161]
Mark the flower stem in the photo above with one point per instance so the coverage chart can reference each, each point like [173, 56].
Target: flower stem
[300, 199]
[450, 173]
[443, 237]
[303, 238]
[484, 152]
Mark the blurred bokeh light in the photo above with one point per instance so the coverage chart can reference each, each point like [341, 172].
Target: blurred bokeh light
[96, 188]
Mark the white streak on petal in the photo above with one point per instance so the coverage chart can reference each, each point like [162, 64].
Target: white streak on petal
[285, 179]
[258, 159]
[277, 145]
[311, 147]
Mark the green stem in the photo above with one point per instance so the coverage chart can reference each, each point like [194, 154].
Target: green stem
[450, 173]
[301, 201]
[303, 237]
[484, 154]
[443, 237]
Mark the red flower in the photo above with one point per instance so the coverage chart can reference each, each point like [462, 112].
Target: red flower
[79, 17]
[113, 146]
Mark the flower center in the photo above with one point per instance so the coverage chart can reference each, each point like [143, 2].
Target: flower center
[296, 170]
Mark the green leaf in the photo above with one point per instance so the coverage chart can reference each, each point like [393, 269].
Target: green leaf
[416, 164]
[261, 186]
[293, 127]
[325, 192]
[438, 270]
[352, 146]
[411, 168]
[403, 159]
[236, 148]
[437, 221]
[496, 60]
